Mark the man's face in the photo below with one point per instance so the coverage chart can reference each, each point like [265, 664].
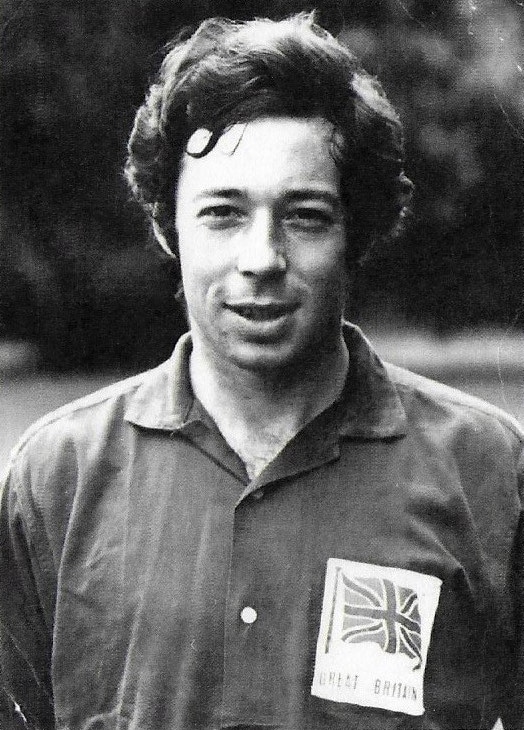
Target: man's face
[261, 241]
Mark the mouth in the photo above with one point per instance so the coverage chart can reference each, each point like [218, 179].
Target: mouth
[263, 312]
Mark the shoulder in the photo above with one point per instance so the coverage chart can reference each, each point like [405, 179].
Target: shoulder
[429, 402]
[70, 456]
[87, 420]
[70, 450]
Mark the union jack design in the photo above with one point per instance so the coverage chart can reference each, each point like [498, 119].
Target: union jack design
[378, 610]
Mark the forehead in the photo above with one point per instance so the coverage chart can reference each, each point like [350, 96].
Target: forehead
[264, 155]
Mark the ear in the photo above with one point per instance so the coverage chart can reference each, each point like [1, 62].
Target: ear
[161, 239]
[406, 188]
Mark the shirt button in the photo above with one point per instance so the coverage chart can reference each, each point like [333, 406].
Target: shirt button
[248, 615]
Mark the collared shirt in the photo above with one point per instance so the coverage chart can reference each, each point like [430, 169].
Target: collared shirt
[148, 584]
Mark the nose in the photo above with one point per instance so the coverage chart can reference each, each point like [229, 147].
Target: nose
[261, 251]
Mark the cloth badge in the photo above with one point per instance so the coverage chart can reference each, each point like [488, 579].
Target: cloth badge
[374, 635]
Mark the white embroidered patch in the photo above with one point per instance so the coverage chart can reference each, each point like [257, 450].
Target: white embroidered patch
[374, 636]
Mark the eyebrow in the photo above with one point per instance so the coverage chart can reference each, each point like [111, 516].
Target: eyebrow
[219, 193]
[289, 196]
[323, 195]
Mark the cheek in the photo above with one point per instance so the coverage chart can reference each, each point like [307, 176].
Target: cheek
[202, 277]
[324, 271]
[329, 285]
[195, 259]
[202, 252]
[319, 254]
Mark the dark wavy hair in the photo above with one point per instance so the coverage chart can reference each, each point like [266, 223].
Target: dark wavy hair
[228, 72]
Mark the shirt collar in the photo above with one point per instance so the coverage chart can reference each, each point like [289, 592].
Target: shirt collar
[369, 405]
[165, 400]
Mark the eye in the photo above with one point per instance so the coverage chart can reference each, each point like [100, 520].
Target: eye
[222, 215]
[310, 218]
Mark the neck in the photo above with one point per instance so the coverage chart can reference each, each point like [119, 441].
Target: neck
[252, 401]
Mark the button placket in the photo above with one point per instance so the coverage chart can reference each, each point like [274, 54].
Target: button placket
[243, 651]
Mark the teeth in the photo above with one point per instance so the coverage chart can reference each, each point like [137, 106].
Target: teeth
[259, 313]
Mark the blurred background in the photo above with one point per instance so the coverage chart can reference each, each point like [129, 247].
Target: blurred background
[86, 298]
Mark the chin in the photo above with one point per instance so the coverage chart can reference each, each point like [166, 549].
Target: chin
[276, 359]
[265, 358]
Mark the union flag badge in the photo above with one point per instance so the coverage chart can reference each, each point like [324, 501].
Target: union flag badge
[374, 635]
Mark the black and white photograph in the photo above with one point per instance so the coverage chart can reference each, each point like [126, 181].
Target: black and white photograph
[262, 365]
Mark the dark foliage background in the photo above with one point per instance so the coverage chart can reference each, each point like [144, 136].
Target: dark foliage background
[77, 273]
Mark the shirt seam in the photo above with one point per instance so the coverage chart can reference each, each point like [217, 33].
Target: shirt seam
[505, 420]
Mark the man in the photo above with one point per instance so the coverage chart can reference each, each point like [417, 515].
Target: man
[274, 529]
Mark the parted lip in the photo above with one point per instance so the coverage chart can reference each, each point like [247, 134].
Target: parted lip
[262, 308]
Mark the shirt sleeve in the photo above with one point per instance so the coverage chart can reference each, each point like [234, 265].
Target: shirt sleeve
[25, 635]
[10, 717]
[512, 715]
